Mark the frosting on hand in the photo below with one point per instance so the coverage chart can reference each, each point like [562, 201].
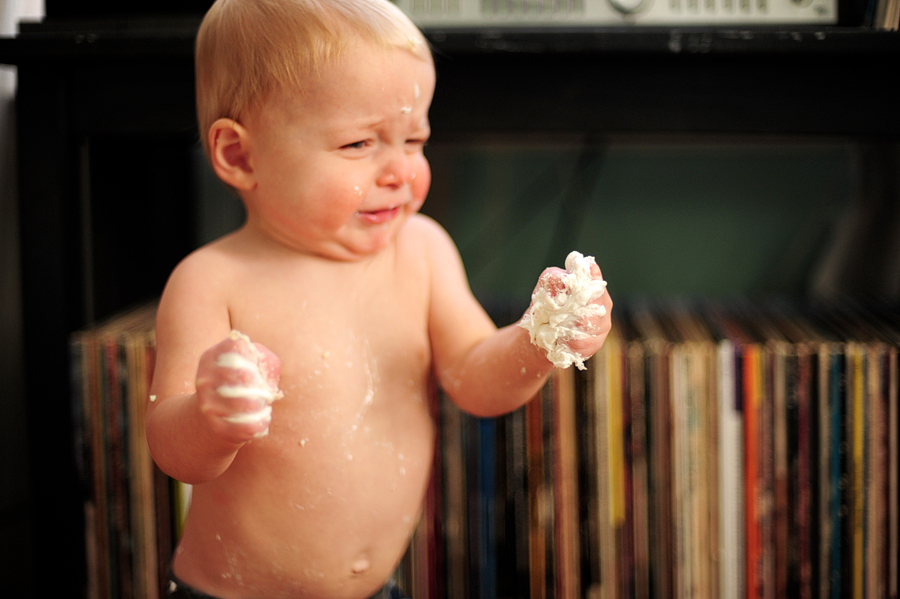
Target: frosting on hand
[560, 310]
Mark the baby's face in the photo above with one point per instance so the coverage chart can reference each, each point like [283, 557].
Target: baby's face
[340, 167]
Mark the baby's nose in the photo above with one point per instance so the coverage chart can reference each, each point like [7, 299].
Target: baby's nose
[397, 172]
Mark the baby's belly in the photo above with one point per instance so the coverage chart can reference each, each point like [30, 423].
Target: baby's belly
[321, 507]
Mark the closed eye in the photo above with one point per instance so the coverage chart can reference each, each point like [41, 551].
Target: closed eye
[357, 145]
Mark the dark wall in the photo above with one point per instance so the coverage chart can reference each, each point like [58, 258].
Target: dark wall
[68, 9]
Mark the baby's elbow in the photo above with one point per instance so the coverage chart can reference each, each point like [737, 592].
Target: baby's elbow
[161, 454]
[164, 453]
[180, 470]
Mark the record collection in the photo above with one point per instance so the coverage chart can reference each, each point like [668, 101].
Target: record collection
[709, 450]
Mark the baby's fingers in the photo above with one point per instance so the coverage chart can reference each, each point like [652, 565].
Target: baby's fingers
[552, 280]
[269, 365]
[237, 381]
[237, 411]
[239, 425]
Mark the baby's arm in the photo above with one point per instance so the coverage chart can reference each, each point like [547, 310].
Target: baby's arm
[487, 371]
[212, 388]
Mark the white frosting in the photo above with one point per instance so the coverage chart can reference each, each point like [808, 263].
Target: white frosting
[250, 391]
[235, 335]
[237, 361]
[244, 417]
[555, 315]
[263, 415]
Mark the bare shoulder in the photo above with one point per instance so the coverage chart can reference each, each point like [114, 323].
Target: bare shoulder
[426, 230]
[433, 242]
[446, 272]
[205, 271]
[196, 295]
[203, 262]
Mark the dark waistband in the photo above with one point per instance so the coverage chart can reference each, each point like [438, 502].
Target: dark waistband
[177, 589]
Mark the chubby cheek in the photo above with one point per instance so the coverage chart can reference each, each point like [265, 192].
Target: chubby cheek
[422, 181]
[343, 202]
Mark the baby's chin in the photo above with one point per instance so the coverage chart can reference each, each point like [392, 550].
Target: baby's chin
[366, 238]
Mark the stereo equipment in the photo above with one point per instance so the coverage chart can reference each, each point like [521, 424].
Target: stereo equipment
[574, 13]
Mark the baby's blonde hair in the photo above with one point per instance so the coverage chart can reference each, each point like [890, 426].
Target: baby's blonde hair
[249, 49]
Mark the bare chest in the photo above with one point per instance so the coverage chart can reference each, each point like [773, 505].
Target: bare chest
[355, 355]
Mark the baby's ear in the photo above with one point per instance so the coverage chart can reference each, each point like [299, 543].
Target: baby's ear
[229, 154]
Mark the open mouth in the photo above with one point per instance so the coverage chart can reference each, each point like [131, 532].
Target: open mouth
[376, 217]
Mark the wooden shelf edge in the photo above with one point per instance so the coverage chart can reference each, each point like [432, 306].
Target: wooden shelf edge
[90, 40]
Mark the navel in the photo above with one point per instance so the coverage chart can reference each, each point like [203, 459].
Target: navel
[362, 564]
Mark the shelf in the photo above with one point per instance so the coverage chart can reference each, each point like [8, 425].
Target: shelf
[797, 40]
[96, 39]
[799, 81]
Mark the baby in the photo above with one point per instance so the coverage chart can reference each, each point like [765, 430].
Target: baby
[294, 355]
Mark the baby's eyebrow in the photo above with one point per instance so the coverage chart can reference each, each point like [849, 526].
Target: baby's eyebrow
[364, 124]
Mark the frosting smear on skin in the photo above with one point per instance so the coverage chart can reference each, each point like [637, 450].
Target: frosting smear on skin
[559, 311]
[259, 389]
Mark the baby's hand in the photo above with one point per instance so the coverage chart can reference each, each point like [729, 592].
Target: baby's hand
[569, 316]
[596, 323]
[237, 381]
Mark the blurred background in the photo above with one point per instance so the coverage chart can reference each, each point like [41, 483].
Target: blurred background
[686, 212]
